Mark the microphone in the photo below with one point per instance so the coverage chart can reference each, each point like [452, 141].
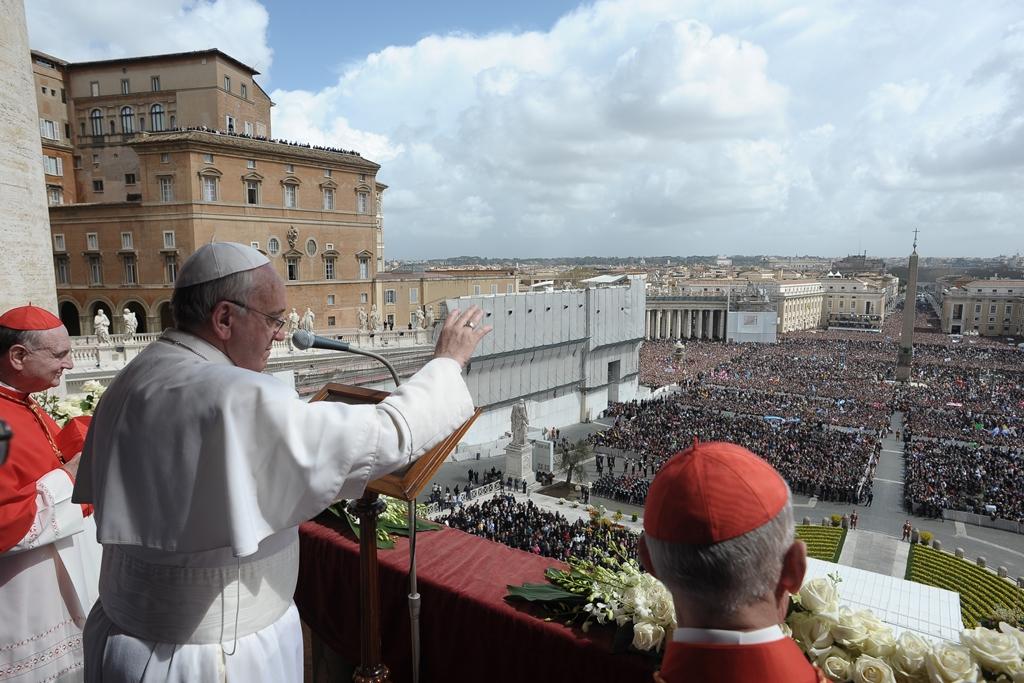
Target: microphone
[307, 340]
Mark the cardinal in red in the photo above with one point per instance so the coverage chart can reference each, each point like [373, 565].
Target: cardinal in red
[49, 558]
[719, 533]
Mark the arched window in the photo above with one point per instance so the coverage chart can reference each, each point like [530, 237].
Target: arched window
[127, 120]
[96, 118]
[273, 245]
[156, 117]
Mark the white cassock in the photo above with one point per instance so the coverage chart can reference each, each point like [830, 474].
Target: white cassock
[47, 586]
[200, 472]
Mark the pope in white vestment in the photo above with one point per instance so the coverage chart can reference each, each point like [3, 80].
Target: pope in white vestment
[201, 472]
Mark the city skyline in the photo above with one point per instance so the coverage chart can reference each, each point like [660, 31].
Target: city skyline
[633, 128]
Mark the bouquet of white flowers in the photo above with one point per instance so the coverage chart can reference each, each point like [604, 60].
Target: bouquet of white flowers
[856, 646]
[63, 409]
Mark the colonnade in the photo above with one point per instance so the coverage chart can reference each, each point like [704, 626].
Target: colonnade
[685, 323]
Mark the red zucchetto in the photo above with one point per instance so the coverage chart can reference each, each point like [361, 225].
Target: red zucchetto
[29, 318]
[712, 492]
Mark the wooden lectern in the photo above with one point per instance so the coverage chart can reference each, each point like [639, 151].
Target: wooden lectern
[404, 484]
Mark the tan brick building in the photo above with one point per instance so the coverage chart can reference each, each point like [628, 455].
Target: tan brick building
[401, 293]
[991, 308]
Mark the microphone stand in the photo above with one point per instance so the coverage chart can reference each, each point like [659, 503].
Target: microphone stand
[414, 596]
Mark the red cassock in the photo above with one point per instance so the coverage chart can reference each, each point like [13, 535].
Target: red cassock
[779, 661]
[32, 453]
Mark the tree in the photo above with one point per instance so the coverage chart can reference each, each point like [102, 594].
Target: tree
[571, 460]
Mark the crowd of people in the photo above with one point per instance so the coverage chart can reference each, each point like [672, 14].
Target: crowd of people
[526, 526]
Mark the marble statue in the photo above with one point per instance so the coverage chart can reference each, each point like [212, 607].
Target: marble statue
[293, 236]
[363, 319]
[520, 423]
[374, 318]
[417, 319]
[131, 324]
[101, 325]
[293, 325]
[307, 320]
[428, 322]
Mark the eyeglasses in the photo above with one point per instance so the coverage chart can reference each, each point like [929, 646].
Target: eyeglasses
[278, 322]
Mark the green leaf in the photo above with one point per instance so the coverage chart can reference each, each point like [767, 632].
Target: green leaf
[543, 592]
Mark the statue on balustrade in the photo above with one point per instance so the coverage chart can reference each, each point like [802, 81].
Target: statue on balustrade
[417, 319]
[131, 324]
[307, 320]
[293, 326]
[363, 319]
[101, 326]
[520, 423]
[428, 321]
[374, 319]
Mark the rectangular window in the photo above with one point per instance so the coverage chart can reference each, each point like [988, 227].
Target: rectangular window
[252, 192]
[476, 289]
[248, 128]
[362, 202]
[166, 189]
[330, 299]
[230, 123]
[53, 165]
[129, 178]
[97, 186]
[510, 289]
[363, 297]
[48, 129]
[165, 158]
[327, 173]
[154, 83]
[94, 88]
[207, 158]
[328, 199]
[414, 296]
[293, 268]
[125, 87]
[331, 321]
[289, 196]
[63, 96]
[67, 130]
[364, 269]
[63, 274]
[130, 276]
[289, 168]
[1009, 309]
[977, 308]
[92, 241]
[209, 188]
[329, 246]
[77, 159]
[494, 289]
[254, 245]
[390, 317]
[329, 269]
[95, 270]
[227, 83]
[168, 239]
[390, 296]
[127, 240]
[244, 91]
[250, 163]
[992, 309]
[58, 242]
[170, 267]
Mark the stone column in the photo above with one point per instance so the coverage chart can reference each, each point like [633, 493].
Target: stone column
[657, 326]
[27, 259]
[687, 324]
[675, 323]
[647, 324]
[700, 324]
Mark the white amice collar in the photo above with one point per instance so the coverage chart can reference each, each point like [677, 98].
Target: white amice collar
[714, 636]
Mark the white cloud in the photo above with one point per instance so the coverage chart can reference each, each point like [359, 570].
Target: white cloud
[654, 126]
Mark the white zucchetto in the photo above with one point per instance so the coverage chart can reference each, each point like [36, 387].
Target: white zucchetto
[216, 260]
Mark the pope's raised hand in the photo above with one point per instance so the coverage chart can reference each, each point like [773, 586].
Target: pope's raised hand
[461, 333]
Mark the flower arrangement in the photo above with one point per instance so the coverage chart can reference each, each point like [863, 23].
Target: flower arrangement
[63, 409]
[856, 646]
[393, 520]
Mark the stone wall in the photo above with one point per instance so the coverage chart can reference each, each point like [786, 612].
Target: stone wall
[27, 257]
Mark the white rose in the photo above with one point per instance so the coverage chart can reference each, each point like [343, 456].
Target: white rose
[647, 636]
[868, 669]
[836, 664]
[951, 664]
[850, 629]
[813, 633]
[879, 643]
[819, 595]
[1016, 633]
[908, 660]
[997, 652]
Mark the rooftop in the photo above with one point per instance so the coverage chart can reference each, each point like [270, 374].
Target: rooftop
[164, 57]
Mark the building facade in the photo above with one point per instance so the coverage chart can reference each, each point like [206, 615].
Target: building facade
[990, 308]
[400, 294]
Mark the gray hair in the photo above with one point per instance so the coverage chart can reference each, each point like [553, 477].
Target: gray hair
[9, 337]
[193, 305]
[725, 577]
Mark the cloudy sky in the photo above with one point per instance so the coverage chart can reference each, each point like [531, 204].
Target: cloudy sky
[632, 127]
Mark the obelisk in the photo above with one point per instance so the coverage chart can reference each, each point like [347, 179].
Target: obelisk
[905, 357]
[26, 254]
